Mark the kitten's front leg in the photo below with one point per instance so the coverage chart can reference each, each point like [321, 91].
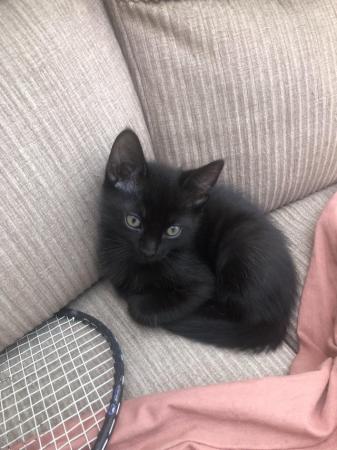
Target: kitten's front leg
[145, 309]
[157, 307]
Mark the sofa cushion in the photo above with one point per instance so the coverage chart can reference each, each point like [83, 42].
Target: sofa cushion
[65, 94]
[254, 82]
[158, 361]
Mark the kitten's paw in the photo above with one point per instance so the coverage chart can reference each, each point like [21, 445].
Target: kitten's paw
[142, 310]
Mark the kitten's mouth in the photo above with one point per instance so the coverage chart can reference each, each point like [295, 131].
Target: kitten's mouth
[143, 259]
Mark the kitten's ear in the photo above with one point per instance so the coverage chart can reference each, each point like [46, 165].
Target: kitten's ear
[126, 166]
[196, 183]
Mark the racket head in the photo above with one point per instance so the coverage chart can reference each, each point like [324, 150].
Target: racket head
[61, 385]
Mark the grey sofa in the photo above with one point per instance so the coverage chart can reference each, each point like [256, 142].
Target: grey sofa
[254, 82]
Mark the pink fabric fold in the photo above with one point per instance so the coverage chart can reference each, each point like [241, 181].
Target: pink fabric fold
[293, 412]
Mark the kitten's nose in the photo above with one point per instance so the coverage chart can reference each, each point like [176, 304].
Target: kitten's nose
[149, 248]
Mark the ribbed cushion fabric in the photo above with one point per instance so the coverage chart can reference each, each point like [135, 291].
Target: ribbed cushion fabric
[65, 93]
[254, 82]
[157, 361]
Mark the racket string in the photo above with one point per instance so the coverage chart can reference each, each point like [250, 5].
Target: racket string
[93, 385]
[58, 390]
[72, 393]
[40, 392]
[52, 346]
[55, 360]
[30, 336]
[63, 398]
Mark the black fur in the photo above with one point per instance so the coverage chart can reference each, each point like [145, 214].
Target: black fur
[226, 280]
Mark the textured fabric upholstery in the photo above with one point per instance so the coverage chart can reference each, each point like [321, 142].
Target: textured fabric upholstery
[158, 361]
[254, 82]
[65, 93]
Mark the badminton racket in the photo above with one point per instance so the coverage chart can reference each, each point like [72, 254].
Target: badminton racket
[61, 386]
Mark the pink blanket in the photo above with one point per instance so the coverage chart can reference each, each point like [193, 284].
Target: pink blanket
[292, 412]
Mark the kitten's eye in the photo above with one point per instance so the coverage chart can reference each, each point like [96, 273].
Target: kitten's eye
[173, 231]
[133, 221]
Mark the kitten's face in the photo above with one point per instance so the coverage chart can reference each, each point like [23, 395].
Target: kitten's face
[155, 209]
[153, 219]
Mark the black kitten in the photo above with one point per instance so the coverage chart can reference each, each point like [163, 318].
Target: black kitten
[195, 259]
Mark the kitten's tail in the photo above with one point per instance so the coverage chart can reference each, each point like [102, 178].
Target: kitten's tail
[234, 335]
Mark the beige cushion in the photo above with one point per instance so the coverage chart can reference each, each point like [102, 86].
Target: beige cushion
[65, 93]
[252, 81]
[158, 361]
